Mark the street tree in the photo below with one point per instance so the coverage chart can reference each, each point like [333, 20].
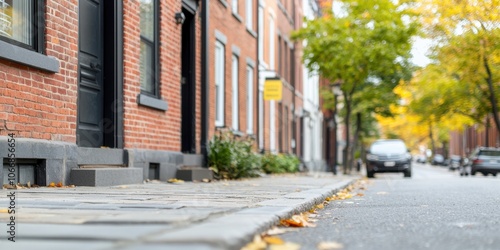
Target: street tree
[359, 45]
[467, 50]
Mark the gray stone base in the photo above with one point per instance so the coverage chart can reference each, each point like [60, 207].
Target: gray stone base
[105, 176]
[194, 174]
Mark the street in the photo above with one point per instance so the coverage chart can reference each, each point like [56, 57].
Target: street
[436, 209]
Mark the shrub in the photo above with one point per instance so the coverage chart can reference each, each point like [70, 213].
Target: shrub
[232, 159]
[280, 163]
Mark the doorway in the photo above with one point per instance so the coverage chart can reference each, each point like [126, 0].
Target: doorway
[99, 73]
[188, 82]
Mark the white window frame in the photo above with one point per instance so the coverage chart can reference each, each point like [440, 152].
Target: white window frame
[235, 94]
[261, 33]
[249, 14]
[234, 6]
[271, 43]
[250, 77]
[219, 83]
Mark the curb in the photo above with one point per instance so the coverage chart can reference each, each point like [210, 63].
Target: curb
[233, 231]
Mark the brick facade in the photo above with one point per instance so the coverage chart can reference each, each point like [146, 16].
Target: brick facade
[40, 89]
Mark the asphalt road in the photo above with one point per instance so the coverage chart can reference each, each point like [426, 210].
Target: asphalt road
[435, 209]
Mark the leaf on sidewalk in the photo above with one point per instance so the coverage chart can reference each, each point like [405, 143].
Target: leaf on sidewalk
[175, 181]
[273, 240]
[330, 245]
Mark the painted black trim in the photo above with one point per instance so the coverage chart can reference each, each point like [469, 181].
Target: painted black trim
[152, 102]
[28, 57]
[205, 93]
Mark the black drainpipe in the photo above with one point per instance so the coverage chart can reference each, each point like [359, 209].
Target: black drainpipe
[204, 80]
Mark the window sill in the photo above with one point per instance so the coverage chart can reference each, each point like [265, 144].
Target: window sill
[253, 33]
[237, 133]
[29, 58]
[223, 2]
[238, 17]
[152, 102]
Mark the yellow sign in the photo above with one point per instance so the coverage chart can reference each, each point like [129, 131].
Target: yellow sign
[273, 89]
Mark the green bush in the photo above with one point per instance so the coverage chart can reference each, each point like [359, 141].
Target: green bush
[232, 159]
[280, 163]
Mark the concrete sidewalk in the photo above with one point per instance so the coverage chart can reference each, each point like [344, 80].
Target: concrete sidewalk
[160, 215]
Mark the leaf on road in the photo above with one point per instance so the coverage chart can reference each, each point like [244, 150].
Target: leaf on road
[52, 184]
[59, 184]
[298, 220]
[4, 210]
[256, 244]
[273, 240]
[286, 246]
[360, 194]
[330, 245]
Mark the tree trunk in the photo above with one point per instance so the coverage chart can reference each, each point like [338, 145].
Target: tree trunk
[347, 132]
[355, 139]
[493, 99]
[433, 145]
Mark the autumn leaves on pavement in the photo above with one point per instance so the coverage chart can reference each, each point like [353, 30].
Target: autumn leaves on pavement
[270, 241]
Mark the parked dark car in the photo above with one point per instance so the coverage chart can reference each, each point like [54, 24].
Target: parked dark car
[421, 159]
[438, 160]
[455, 162]
[485, 160]
[388, 156]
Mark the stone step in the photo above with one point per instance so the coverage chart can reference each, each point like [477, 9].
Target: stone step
[193, 173]
[102, 176]
[193, 160]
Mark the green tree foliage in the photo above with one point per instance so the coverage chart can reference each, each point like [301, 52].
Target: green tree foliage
[467, 54]
[365, 45]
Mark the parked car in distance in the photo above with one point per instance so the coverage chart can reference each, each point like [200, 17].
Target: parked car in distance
[388, 156]
[422, 159]
[455, 162]
[438, 159]
[485, 160]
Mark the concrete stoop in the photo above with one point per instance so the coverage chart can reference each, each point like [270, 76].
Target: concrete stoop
[100, 175]
[192, 169]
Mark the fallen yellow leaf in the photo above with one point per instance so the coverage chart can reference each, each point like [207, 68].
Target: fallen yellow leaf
[52, 184]
[273, 240]
[286, 246]
[256, 244]
[174, 180]
[4, 210]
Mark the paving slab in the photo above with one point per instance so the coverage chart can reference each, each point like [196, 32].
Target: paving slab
[160, 215]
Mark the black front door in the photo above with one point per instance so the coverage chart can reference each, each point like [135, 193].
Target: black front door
[188, 83]
[90, 77]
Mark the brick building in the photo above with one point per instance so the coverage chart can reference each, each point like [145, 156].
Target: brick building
[106, 92]
[100, 83]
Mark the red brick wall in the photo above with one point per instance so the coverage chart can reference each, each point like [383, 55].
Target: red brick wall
[42, 105]
[145, 127]
[222, 19]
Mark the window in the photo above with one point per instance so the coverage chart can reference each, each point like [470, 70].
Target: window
[149, 43]
[249, 100]
[261, 33]
[235, 99]
[22, 24]
[249, 14]
[219, 84]
[235, 6]
[271, 43]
